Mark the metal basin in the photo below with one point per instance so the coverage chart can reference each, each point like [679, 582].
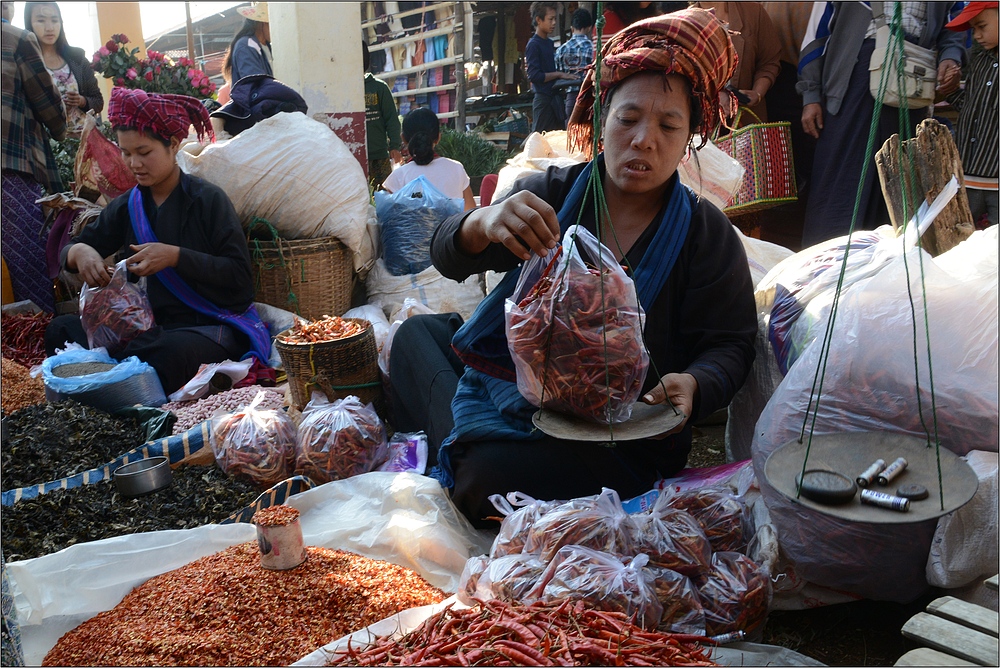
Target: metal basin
[143, 477]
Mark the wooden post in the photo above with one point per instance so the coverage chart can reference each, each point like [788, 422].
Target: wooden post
[935, 160]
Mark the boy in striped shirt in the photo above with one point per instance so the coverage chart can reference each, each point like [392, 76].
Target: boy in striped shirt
[978, 131]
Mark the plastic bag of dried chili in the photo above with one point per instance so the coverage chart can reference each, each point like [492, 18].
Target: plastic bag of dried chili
[673, 539]
[511, 578]
[339, 440]
[682, 611]
[603, 582]
[724, 516]
[735, 596]
[117, 313]
[254, 443]
[598, 522]
[574, 329]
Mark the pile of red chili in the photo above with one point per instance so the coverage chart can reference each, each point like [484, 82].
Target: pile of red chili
[327, 328]
[225, 609]
[22, 337]
[495, 633]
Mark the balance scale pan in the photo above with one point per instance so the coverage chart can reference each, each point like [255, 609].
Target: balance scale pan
[646, 421]
[852, 452]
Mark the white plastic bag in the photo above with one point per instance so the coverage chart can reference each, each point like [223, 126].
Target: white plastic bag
[711, 173]
[374, 315]
[298, 174]
[198, 386]
[429, 287]
[409, 307]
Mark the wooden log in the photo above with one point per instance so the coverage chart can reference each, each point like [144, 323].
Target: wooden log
[952, 638]
[967, 614]
[916, 170]
[925, 656]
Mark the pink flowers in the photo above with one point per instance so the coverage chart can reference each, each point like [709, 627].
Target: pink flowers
[104, 52]
[156, 73]
[111, 46]
[131, 73]
[149, 75]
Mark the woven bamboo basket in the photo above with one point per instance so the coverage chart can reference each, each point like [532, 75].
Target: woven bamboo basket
[340, 368]
[310, 277]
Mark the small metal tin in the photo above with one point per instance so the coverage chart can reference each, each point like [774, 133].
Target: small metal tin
[882, 500]
[868, 476]
[143, 477]
[913, 492]
[892, 471]
[726, 638]
[279, 538]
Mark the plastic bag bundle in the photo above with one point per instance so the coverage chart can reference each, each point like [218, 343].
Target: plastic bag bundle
[674, 540]
[603, 583]
[257, 444]
[469, 580]
[515, 527]
[736, 595]
[117, 313]
[510, 578]
[724, 518]
[600, 525]
[408, 219]
[338, 440]
[574, 329]
[682, 611]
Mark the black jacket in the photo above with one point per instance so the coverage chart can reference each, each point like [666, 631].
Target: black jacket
[86, 81]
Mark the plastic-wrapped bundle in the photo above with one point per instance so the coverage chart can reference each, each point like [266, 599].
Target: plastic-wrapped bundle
[603, 525]
[469, 580]
[517, 525]
[408, 219]
[603, 582]
[682, 611]
[575, 332]
[510, 578]
[257, 444]
[117, 313]
[338, 440]
[735, 596]
[672, 539]
[724, 517]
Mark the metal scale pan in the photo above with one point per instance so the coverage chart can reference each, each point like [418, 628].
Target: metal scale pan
[646, 421]
[851, 453]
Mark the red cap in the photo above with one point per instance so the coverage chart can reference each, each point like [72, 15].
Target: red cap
[961, 22]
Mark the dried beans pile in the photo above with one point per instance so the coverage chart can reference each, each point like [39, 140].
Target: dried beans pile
[224, 609]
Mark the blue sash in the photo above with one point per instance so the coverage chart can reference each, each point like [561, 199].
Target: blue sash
[487, 403]
[248, 322]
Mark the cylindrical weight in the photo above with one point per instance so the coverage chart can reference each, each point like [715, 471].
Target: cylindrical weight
[883, 500]
[892, 471]
[868, 476]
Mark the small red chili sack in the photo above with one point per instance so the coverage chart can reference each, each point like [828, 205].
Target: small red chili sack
[574, 329]
[339, 440]
[117, 313]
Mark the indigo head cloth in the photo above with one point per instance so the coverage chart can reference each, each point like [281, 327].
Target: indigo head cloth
[691, 43]
[166, 115]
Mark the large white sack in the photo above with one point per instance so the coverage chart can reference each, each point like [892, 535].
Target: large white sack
[403, 518]
[429, 287]
[540, 151]
[965, 547]
[298, 174]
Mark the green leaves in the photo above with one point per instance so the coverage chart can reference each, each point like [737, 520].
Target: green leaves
[479, 156]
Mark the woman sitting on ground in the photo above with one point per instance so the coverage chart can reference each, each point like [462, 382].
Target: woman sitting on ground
[659, 88]
[422, 132]
[181, 233]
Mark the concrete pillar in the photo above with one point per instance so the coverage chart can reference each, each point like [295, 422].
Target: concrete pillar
[119, 18]
[317, 51]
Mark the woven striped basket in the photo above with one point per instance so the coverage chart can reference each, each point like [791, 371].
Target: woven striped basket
[765, 151]
[310, 277]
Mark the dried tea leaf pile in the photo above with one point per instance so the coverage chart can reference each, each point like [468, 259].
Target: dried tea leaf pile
[52, 441]
[224, 609]
[198, 495]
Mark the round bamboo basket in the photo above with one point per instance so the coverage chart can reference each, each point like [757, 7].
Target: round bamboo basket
[310, 277]
[340, 368]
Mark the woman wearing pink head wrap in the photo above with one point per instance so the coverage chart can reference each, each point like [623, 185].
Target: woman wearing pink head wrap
[183, 235]
[659, 87]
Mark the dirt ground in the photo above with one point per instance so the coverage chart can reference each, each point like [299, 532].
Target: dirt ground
[862, 633]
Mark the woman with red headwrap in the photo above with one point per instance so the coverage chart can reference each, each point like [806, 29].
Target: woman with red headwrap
[181, 233]
[659, 89]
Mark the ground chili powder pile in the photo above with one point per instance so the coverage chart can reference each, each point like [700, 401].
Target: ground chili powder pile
[224, 609]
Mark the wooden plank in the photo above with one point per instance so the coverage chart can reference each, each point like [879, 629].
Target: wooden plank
[952, 638]
[929, 657]
[993, 582]
[967, 614]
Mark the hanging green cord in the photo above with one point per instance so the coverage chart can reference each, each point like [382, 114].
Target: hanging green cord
[817, 387]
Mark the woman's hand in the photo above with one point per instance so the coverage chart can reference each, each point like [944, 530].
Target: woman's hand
[754, 96]
[151, 258]
[812, 119]
[75, 100]
[89, 264]
[523, 223]
[949, 75]
[682, 388]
